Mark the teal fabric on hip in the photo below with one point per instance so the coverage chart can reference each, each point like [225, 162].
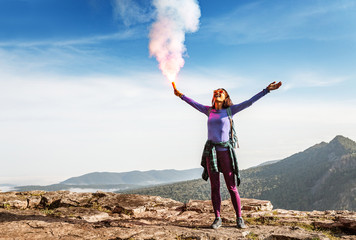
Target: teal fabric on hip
[209, 154]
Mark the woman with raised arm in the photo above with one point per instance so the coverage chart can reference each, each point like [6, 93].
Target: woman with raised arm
[219, 155]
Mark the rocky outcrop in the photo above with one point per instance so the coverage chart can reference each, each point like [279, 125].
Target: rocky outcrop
[68, 215]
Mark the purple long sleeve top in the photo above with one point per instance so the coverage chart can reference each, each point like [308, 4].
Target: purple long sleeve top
[218, 120]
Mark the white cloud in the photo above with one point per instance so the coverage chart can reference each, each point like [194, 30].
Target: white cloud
[266, 22]
[96, 39]
[303, 79]
[121, 123]
[63, 59]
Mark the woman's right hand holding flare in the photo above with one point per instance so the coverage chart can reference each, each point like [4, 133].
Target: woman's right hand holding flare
[176, 92]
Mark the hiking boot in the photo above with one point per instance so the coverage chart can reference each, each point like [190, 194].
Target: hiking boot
[217, 223]
[240, 223]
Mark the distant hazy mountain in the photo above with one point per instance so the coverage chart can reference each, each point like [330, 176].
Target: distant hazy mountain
[135, 177]
[319, 178]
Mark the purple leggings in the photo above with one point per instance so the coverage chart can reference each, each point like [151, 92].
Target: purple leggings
[224, 165]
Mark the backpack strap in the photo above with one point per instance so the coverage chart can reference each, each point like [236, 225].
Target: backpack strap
[233, 136]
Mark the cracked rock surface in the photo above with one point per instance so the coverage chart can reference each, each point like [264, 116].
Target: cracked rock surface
[69, 215]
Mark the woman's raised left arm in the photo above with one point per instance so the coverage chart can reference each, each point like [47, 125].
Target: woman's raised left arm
[241, 106]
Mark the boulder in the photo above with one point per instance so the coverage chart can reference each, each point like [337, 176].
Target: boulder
[255, 205]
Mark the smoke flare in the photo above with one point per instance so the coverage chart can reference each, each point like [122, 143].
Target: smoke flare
[167, 34]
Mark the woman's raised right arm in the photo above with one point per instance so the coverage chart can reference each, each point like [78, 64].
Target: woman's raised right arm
[191, 102]
[194, 104]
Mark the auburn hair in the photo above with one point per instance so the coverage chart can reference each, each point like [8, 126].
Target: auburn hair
[227, 102]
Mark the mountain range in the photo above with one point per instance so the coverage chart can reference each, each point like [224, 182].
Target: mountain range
[321, 177]
[135, 177]
[112, 181]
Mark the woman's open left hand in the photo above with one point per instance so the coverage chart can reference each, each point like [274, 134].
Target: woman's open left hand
[274, 86]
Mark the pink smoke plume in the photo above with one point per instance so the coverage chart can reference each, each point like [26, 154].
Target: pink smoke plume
[174, 18]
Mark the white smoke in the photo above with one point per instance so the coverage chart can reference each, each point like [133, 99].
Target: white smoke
[174, 18]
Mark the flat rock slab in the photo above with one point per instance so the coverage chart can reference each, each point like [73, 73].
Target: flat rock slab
[67, 215]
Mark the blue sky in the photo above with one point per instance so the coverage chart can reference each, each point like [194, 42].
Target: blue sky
[79, 92]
